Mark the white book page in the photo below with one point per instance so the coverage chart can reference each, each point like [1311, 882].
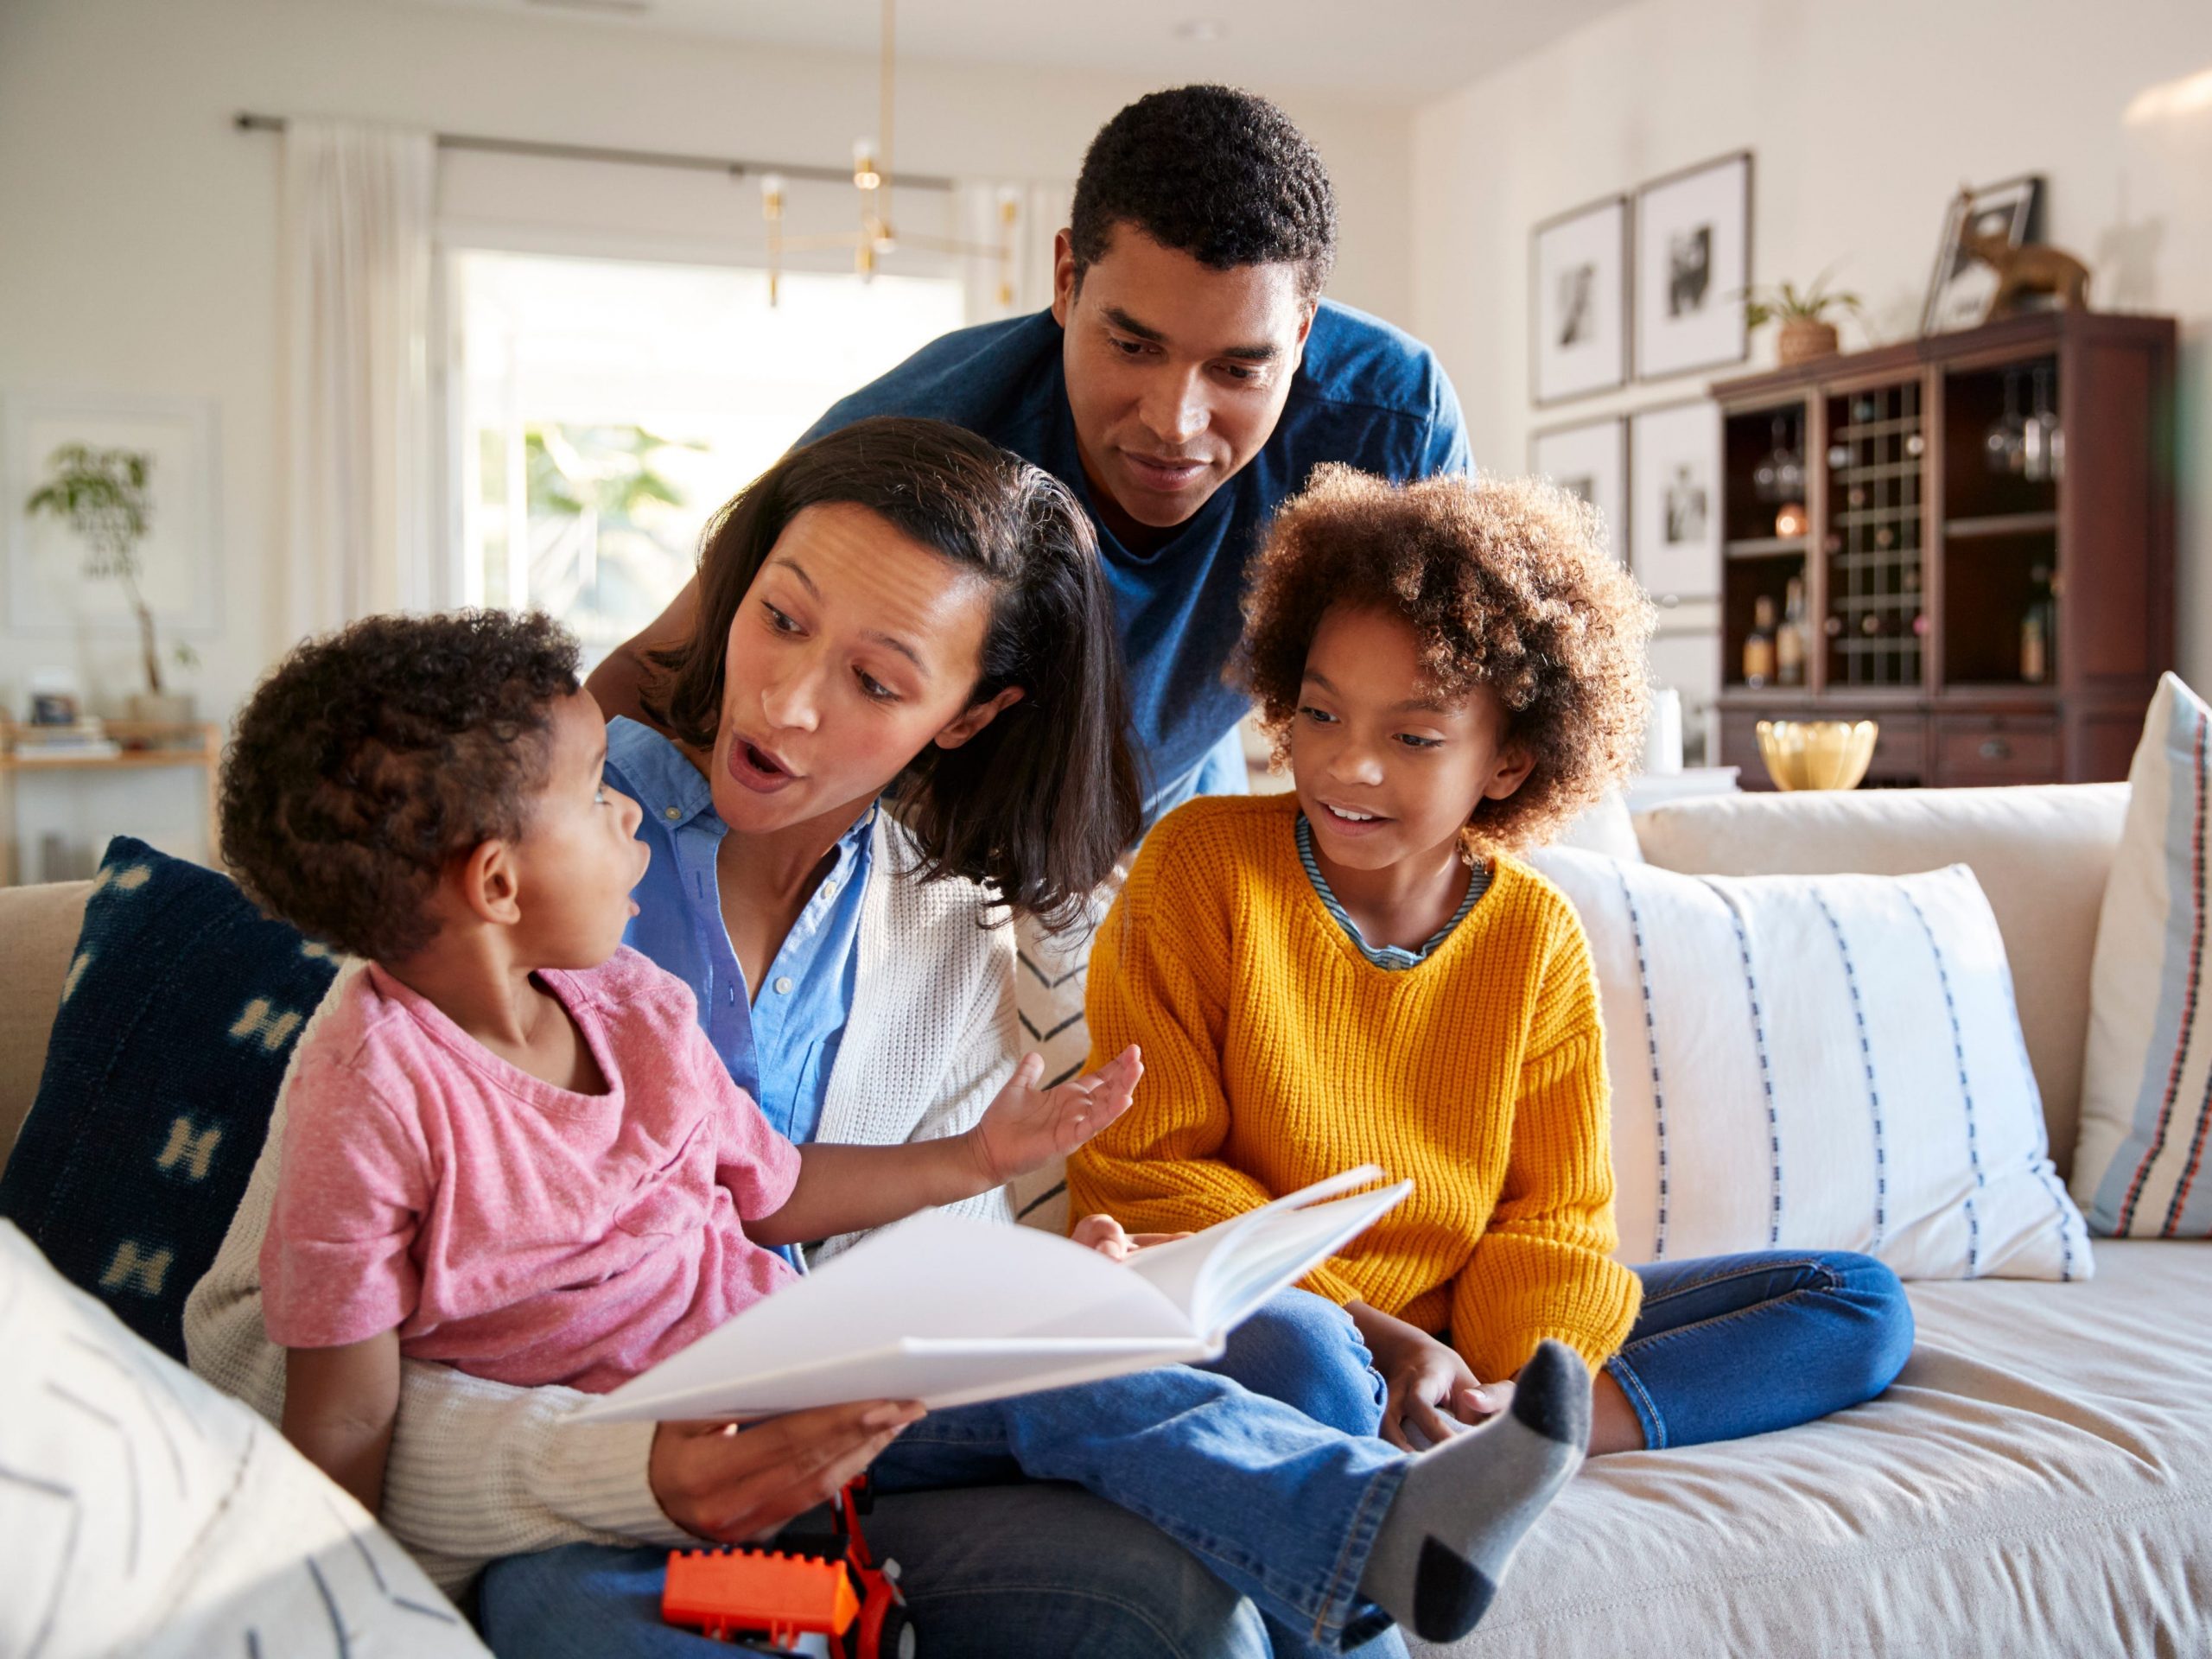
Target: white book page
[1210, 1274]
[930, 1278]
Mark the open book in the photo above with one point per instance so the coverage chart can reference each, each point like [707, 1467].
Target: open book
[947, 1310]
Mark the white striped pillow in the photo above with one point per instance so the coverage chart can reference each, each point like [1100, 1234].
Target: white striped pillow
[2146, 1078]
[1826, 1062]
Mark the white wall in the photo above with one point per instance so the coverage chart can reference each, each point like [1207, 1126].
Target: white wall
[1864, 118]
[138, 231]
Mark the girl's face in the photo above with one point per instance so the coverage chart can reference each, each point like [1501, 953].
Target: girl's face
[1384, 768]
[855, 649]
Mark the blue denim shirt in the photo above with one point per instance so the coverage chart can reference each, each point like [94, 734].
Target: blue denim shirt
[779, 1048]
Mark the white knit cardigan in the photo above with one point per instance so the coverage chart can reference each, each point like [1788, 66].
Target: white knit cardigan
[480, 1470]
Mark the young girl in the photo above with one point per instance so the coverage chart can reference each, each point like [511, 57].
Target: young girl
[1360, 970]
[511, 1149]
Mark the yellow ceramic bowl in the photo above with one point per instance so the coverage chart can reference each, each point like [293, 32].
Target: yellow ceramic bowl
[1817, 753]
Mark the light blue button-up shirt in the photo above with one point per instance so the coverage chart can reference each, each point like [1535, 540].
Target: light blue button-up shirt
[778, 1046]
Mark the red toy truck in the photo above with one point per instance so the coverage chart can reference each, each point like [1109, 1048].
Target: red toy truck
[826, 1597]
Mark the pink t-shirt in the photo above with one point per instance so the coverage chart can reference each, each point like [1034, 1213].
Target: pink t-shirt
[519, 1232]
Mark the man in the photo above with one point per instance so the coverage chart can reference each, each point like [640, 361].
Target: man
[1186, 381]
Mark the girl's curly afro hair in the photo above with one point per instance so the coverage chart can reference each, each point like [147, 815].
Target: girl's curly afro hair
[1506, 585]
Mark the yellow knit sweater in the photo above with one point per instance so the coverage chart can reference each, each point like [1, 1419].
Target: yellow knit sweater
[1276, 1054]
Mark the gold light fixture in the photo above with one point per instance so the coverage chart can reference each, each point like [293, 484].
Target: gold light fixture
[872, 178]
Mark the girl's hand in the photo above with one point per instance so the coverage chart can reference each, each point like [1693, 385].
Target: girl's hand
[736, 1486]
[1025, 1127]
[1104, 1234]
[1429, 1382]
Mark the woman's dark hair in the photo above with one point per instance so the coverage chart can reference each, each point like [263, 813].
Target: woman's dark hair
[371, 757]
[1040, 802]
[1217, 172]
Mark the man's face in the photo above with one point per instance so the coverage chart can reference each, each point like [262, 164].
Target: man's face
[1176, 373]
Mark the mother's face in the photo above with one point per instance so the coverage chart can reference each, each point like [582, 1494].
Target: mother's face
[855, 648]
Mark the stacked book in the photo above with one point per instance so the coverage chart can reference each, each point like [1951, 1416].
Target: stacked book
[80, 740]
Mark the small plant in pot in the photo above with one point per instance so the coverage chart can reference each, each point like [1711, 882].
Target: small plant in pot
[1806, 331]
[102, 496]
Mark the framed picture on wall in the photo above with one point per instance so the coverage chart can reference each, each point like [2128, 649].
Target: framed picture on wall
[1589, 461]
[47, 586]
[1959, 292]
[1578, 303]
[1674, 501]
[1693, 264]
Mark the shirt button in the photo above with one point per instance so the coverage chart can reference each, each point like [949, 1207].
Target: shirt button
[784, 986]
[829, 888]
[673, 812]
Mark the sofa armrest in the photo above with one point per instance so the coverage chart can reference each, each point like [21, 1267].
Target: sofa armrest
[40, 924]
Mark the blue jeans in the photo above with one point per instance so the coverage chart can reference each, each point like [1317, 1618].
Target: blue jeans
[1724, 1346]
[994, 1573]
[1281, 1508]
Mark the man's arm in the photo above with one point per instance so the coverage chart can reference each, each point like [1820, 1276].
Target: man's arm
[619, 683]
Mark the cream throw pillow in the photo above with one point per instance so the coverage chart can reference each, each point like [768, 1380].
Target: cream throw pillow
[2146, 1078]
[144, 1513]
[1819, 1062]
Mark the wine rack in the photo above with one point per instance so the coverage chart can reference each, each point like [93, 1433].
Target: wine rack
[1983, 554]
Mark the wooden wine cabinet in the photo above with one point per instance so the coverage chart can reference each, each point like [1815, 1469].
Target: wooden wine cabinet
[1928, 543]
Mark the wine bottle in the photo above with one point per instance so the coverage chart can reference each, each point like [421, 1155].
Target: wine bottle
[1758, 644]
[1790, 638]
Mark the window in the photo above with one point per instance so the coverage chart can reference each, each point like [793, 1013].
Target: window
[608, 408]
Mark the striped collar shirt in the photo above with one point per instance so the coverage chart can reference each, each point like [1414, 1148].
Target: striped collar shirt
[1394, 959]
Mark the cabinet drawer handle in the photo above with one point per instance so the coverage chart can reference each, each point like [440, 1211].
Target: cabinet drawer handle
[1996, 748]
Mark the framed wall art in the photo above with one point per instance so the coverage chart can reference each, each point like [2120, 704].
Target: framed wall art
[1959, 290]
[1692, 264]
[1590, 460]
[1674, 497]
[46, 587]
[1578, 303]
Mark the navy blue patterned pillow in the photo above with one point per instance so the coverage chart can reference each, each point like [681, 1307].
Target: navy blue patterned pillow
[179, 1013]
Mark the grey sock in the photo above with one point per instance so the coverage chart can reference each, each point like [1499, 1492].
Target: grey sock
[1465, 1505]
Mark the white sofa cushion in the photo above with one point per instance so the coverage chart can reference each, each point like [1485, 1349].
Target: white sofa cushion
[2146, 1078]
[2040, 852]
[1828, 1061]
[2037, 1481]
[142, 1512]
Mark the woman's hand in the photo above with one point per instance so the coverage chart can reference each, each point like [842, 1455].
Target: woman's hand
[1430, 1386]
[735, 1485]
[1025, 1127]
[1105, 1235]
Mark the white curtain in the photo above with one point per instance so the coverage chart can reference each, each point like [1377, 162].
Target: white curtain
[1040, 210]
[356, 255]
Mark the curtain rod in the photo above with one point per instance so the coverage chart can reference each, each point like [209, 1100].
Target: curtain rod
[737, 169]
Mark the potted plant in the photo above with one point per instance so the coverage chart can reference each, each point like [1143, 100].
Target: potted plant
[1805, 333]
[101, 494]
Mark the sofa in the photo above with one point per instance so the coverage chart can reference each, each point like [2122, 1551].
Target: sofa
[2038, 1480]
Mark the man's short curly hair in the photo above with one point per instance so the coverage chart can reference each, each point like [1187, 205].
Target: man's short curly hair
[1213, 172]
[1506, 585]
[371, 757]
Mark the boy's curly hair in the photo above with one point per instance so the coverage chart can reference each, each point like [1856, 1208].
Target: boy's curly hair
[1506, 585]
[370, 757]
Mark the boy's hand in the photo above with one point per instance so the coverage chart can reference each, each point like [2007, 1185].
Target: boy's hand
[1025, 1127]
[1429, 1383]
[1105, 1235]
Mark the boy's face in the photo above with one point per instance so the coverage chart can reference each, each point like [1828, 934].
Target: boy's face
[1385, 769]
[578, 854]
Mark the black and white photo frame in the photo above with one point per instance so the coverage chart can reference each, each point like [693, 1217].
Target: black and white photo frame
[1959, 291]
[1578, 303]
[1589, 459]
[1675, 493]
[1693, 266]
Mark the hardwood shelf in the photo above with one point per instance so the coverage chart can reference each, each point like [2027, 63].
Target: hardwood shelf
[2002, 523]
[129, 760]
[1763, 546]
[1909, 526]
[151, 746]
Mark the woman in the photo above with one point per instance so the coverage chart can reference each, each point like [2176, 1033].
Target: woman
[897, 607]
